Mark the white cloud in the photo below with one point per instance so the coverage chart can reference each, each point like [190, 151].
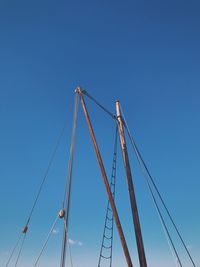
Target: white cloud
[80, 243]
[72, 242]
[55, 231]
[75, 242]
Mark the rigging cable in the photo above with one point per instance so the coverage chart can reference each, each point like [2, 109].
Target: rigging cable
[107, 240]
[46, 173]
[166, 231]
[170, 241]
[38, 193]
[13, 250]
[20, 250]
[67, 193]
[46, 241]
[144, 167]
[98, 104]
[70, 253]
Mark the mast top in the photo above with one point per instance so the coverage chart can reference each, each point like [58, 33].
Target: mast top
[78, 90]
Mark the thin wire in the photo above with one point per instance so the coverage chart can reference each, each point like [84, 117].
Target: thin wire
[62, 260]
[39, 190]
[21, 247]
[70, 164]
[70, 253]
[67, 238]
[169, 239]
[46, 241]
[13, 250]
[156, 188]
[158, 212]
[67, 193]
[164, 224]
[46, 173]
[98, 104]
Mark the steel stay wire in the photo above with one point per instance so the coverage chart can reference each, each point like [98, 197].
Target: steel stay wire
[69, 247]
[98, 104]
[70, 253]
[71, 158]
[65, 242]
[171, 243]
[142, 163]
[67, 192]
[20, 250]
[39, 191]
[46, 241]
[13, 250]
[46, 173]
[165, 229]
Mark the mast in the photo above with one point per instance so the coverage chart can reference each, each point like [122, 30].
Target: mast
[135, 215]
[105, 180]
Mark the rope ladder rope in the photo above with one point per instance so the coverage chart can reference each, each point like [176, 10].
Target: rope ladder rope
[106, 251]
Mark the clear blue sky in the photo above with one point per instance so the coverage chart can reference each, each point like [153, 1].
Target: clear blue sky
[144, 53]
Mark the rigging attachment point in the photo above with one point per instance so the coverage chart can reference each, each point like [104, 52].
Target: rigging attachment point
[79, 90]
[61, 213]
[25, 229]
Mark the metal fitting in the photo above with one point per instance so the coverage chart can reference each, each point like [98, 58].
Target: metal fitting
[24, 229]
[61, 213]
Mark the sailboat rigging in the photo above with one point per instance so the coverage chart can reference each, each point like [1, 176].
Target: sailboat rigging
[112, 217]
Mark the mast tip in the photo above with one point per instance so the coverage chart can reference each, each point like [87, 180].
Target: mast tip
[78, 90]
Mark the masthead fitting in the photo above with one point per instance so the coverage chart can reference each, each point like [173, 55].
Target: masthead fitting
[61, 213]
[78, 90]
[24, 229]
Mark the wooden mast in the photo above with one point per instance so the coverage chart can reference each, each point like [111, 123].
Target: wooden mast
[135, 215]
[105, 180]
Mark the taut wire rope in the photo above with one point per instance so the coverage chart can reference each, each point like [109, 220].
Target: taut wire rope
[67, 193]
[46, 241]
[161, 218]
[20, 250]
[98, 104]
[148, 175]
[37, 196]
[166, 231]
[13, 250]
[46, 173]
[70, 253]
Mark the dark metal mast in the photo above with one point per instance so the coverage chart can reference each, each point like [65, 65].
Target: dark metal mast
[136, 221]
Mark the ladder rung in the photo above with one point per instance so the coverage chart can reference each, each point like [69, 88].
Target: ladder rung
[109, 228]
[105, 257]
[106, 247]
[109, 219]
[108, 238]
